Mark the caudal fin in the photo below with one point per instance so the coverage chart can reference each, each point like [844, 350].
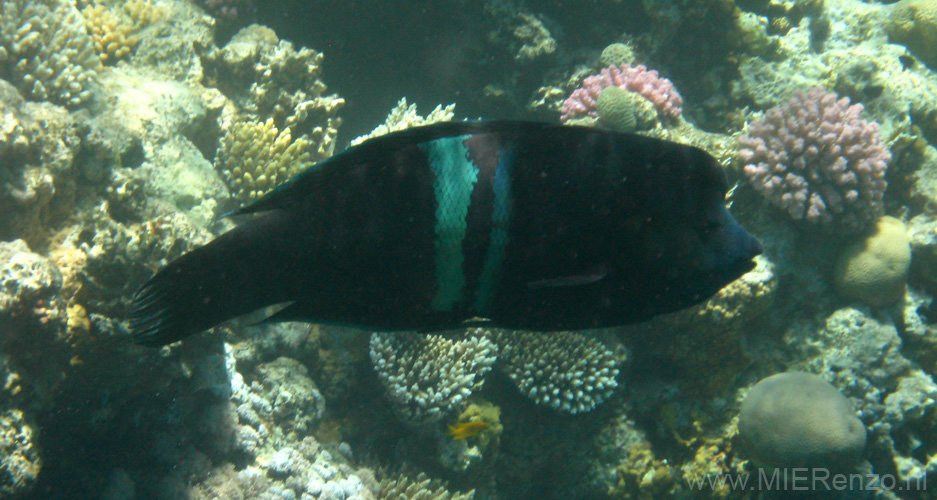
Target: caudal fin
[233, 275]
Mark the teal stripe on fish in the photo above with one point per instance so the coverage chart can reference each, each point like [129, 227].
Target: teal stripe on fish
[498, 241]
[456, 176]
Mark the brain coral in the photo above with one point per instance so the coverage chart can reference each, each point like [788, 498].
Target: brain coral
[616, 54]
[624, 111]
[565, 371]
[798, 419]
[874, 269]
[46, 51]
[427, 377]
[815, 158]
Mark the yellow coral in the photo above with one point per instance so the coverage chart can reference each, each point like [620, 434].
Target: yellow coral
[112, 39]
[78, 322]
[143, 12]
[256, 157]
[874, 269]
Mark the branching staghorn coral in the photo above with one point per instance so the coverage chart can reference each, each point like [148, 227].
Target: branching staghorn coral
[255, 157]
[46, 51]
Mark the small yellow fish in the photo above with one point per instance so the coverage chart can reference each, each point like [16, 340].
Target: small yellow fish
[463, 430]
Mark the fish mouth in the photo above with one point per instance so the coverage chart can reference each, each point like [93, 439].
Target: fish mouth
[743, 266]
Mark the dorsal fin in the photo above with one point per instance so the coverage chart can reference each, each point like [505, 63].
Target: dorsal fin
[309, 180]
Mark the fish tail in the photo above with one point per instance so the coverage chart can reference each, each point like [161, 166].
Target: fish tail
[229, 277]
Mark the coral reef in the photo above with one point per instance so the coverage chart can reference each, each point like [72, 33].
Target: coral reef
[38, 146]
[256, 157]
[113, 40]
[403, 117]
[914, 24]
[46, 51]
[535, 39]
[708, 338]
[420, 487]
[110, 171]
[660, 91]
[267, 78]
[816, 159]
[874, 269]
[20, 462]
[796, 419]
[428, 377]
[565, 371]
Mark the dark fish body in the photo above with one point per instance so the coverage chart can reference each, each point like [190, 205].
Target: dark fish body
[527, 225]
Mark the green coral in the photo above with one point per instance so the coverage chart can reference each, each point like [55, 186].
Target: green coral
[624, 111]
[256, 157]
[46, 51]
[616, 54]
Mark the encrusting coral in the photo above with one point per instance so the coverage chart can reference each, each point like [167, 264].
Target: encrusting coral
[46, 51]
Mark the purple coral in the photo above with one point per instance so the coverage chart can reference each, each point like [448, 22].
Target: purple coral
[654, 88]
[818, 160]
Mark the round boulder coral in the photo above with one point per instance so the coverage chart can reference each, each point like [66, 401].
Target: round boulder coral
[874, 269]
[798, 419]
[624, 111]
[616, 54]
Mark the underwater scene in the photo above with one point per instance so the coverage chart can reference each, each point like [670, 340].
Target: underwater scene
[468, 249]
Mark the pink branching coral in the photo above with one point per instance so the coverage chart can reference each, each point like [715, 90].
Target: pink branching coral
[815, 158]
[648, 83]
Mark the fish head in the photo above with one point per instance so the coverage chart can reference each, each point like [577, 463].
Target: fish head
[694, 245]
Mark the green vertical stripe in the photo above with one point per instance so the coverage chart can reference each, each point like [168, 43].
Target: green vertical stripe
[455, 180]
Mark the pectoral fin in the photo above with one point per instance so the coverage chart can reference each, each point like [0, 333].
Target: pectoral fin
[588, 276]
